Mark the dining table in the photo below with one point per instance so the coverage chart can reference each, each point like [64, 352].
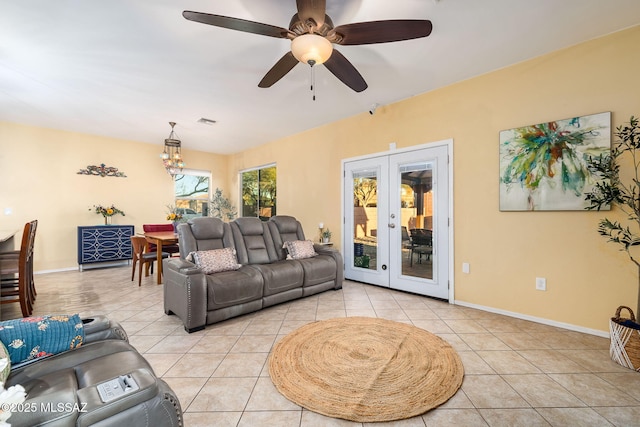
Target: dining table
[160, 238]
[6, 240]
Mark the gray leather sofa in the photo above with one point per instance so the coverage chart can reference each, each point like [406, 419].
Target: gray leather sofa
[62, 390]
[265, 278]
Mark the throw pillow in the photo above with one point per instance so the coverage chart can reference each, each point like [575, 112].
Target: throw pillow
[5, 363]
[300, 249]
[216, 260]
[34, 337]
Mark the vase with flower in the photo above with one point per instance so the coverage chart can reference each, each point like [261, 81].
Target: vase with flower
[107, 212]
[174, 216]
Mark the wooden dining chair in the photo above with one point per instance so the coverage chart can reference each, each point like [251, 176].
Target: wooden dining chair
[173, 249]
[16, 272]
[142, 256]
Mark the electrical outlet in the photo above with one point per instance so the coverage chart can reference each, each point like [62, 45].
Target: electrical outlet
[541, 283]
[465, 267]
[8, 211]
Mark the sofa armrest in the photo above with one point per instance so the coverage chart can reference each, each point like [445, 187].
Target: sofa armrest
[182, 266]
[98, 328]
[151, 404]
[185, 293]
[337, 256]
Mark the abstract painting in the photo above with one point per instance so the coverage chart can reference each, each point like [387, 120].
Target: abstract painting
[543, 167]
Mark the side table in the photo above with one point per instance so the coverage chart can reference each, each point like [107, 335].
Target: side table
[104, 243]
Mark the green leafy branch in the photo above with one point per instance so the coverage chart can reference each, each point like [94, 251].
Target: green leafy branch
[221, 207]
[612, 190]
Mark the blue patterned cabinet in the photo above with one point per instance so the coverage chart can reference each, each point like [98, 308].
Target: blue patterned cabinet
[104, 243]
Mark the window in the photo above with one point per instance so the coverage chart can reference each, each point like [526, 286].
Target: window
[259, 192]
[192, 193]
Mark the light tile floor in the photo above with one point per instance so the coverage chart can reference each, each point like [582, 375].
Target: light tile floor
[517, 373]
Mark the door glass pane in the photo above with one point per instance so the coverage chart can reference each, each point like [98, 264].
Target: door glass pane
[416, 219]
[365, 217]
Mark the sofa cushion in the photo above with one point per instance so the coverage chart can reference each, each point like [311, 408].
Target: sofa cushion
[284, 228]
[319, 269]
[204, 234]
[207, 228]
[280, 276]
[30, 338]
[50, 393]
[299, 249]
[288, 227]
[215, 260]
[253, 241]
[233, 287]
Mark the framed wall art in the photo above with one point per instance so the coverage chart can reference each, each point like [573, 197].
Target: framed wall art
[543, 167]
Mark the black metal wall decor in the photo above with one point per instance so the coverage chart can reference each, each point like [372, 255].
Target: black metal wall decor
[102, 171]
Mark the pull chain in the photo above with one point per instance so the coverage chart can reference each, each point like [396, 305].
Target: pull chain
[313, 79]
[313, 82]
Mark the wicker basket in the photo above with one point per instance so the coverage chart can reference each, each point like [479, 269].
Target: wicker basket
[625, 340]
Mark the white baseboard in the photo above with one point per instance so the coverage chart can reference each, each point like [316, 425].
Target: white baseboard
[562, 325]
[91, 266]
[57, 270]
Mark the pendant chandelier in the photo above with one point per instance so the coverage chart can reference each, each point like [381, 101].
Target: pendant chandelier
[171, 156]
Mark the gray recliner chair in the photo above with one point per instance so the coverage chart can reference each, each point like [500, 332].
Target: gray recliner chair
[75, 388]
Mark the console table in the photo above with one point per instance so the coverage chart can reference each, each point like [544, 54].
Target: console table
[104, 243]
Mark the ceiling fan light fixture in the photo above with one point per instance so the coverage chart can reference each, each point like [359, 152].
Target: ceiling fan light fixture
[311, 49]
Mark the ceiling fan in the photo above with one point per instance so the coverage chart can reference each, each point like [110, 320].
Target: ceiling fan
[312, 36]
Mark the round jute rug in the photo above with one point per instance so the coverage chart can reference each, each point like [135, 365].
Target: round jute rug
[365, 369]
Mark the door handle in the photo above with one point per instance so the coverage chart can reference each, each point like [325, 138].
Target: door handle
[392, 226]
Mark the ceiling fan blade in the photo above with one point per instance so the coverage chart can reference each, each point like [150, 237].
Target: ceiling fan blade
[312, 9]
[383, 31]
[345, 71]
[278, 71]
[236, 24]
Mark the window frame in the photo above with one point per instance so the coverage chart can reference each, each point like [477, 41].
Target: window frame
[195, 172]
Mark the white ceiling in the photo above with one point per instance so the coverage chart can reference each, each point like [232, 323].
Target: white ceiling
[125, 68]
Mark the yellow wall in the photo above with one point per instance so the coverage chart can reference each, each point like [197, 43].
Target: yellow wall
[39, 180]
[587, 278]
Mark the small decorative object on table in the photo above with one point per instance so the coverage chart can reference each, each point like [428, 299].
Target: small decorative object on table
[107, 212]
[326, 235]
[173, 216]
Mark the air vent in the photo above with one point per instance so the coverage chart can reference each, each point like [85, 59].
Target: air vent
[207, 121]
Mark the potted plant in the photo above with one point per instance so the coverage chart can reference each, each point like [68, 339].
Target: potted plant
[624, 194]
[107, 212]
[221, 207]
[326, 235]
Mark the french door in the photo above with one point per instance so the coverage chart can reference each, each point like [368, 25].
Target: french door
[396, 230]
